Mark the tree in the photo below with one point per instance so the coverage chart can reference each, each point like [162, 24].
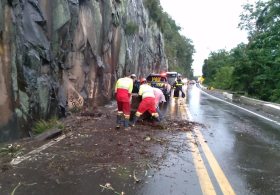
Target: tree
[179, 49]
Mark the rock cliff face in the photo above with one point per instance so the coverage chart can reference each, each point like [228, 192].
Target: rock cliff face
[67, 53]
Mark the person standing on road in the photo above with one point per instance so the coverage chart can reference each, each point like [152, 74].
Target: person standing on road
[178, 86]
[159, 98]
[148, 102]
[136, 83]
[123, 89]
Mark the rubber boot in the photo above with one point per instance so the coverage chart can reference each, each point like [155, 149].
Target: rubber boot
[119, 121]
[135, 119]
[160, 115]
[157, 119]
[126, 124]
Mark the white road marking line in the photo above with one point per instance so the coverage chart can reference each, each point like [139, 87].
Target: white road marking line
[263, 117]
[16, 161]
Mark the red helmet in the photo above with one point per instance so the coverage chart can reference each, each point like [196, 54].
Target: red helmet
[143, 80]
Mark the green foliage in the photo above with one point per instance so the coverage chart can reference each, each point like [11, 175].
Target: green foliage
[223, 78]
[42, 125]
[131, 28]
[211, 66]
[275, 96]
[11, 150]
[254, 67]
[155, 10]
[179, 49]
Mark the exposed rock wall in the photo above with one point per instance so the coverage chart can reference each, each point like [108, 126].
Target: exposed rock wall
[59, 53]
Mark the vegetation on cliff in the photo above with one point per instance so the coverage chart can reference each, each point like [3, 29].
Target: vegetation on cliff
[179, 49]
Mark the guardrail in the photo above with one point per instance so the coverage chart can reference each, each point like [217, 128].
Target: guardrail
[268, 107]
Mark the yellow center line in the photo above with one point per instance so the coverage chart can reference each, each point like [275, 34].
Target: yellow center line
[172, 108]
[206, 185]
[203, 177]
[218, 172]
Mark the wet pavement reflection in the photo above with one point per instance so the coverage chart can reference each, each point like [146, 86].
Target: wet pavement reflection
[247, 147]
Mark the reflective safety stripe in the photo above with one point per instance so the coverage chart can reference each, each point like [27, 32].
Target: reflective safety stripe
[138, 114]
[120, 112]
[179, 84]
[155, 114]
[126, 116]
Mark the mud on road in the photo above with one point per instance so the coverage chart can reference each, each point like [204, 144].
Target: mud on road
[92, 145]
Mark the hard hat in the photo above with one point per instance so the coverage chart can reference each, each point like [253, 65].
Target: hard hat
[143, 80]
[133, 75]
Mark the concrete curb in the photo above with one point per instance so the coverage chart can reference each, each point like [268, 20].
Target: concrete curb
[268, 107]
[48, 135]
[228, 95]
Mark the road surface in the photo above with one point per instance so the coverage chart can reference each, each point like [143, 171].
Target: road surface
[229, 151]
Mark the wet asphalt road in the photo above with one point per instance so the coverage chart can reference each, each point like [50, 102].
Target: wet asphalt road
[233, 152]
[246, 147]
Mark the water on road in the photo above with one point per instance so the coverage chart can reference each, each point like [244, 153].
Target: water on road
[246, 146]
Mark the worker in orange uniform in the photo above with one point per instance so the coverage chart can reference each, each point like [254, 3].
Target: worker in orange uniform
[147, 103]
[123, 91]
[159, 98]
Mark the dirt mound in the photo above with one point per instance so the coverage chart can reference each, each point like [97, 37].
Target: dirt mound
[91, 137]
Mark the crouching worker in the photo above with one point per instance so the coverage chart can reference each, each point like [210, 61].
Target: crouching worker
[147, 103]
[123, 91]
[159, 98]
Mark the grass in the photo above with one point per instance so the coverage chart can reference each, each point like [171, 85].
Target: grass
[42, 125]
[11, 150]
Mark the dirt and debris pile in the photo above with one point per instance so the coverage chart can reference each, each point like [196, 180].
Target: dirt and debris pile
[92, 138]
[180, 125]
[93, 148]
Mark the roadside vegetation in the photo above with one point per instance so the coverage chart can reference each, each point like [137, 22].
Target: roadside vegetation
[179, 49]
[131, 28]
[253, 68]
[43, 125]
[11, 150]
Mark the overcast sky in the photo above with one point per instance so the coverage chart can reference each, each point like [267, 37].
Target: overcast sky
[210, 24]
